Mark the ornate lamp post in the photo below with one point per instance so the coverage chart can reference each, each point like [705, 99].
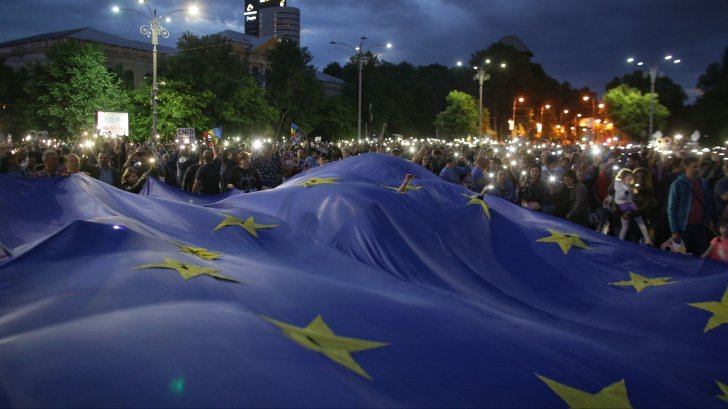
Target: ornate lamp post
[153, 30]
[481, 76]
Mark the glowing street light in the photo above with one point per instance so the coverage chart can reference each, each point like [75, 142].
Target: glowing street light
[360, 56]
[519, 99]
[153, 30]
[481, 76]
[653, 77]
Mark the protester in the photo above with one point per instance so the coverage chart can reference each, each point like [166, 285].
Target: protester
[243, 177]
[207, 178]
[690, 207]
[131, 181]
[624, 198]
[269, 166]
[578, 199]
[503, 187]
[718, 249]
[531, 191]
[50, 166]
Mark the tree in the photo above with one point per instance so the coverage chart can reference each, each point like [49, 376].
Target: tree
[460, 117]
[709, 111]
[228, 93]
[630, 110]
[72, 87]
[672, 95]
[291, 83]
[337, 119]
[12, 108]
[177, 108]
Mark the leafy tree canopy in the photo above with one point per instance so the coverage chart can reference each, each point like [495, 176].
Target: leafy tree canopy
[71, 87]
[630, 109]
[460, 118]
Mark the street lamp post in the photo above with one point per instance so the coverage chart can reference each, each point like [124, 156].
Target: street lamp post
[547, 106]
[360, 56]
[481, 76]
[153, 30]
[594, 113]
[653, 72]
[519, 99]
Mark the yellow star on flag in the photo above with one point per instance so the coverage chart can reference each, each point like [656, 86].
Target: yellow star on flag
[249, 225]
[406, 189]
[640, 283]
[724, 389]
[613, 396]
[319, 181]
[719, 310]
[187, 270]
[565, 241]
[317, 336]
[204, 254]
[474, 199]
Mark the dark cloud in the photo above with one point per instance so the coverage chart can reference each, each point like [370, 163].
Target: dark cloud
[583, 42]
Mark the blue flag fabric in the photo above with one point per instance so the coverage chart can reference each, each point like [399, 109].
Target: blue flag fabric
[337, 290]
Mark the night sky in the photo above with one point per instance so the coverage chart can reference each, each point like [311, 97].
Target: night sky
[584, 42]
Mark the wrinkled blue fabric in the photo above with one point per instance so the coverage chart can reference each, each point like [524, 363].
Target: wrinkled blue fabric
[470, 307]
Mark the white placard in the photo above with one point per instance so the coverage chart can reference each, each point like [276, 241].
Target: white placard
[112, 123]
[185, 135]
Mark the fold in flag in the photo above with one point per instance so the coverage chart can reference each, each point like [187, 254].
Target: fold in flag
[331, 291]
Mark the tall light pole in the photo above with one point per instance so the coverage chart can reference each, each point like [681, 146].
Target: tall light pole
[547, 106]
[586, 98]
[519, 99]
[481, 76]
[153, 30]
[360, 56]
[653, 71]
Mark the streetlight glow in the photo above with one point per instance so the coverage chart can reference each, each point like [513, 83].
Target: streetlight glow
[547, 106]
[585, 98]
[521, 99]
[487, 61]
[630, 60]
[503, 65]
[360, 54]
[459, 63]
[153, 29]
[652, 75]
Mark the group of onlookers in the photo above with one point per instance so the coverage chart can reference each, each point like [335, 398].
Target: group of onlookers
[640, 195]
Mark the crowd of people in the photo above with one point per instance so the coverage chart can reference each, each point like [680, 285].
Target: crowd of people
[675, 199]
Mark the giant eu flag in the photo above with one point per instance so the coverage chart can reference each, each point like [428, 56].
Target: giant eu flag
[337, 290]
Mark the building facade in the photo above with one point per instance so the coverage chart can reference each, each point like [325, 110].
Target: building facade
[280, 22]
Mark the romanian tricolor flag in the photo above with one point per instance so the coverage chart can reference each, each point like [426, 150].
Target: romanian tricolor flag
[214, 134]
[295, 133]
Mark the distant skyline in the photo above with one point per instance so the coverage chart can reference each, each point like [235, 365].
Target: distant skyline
[583, 42]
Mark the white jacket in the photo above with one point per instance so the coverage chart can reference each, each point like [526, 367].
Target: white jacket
[623, 193]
